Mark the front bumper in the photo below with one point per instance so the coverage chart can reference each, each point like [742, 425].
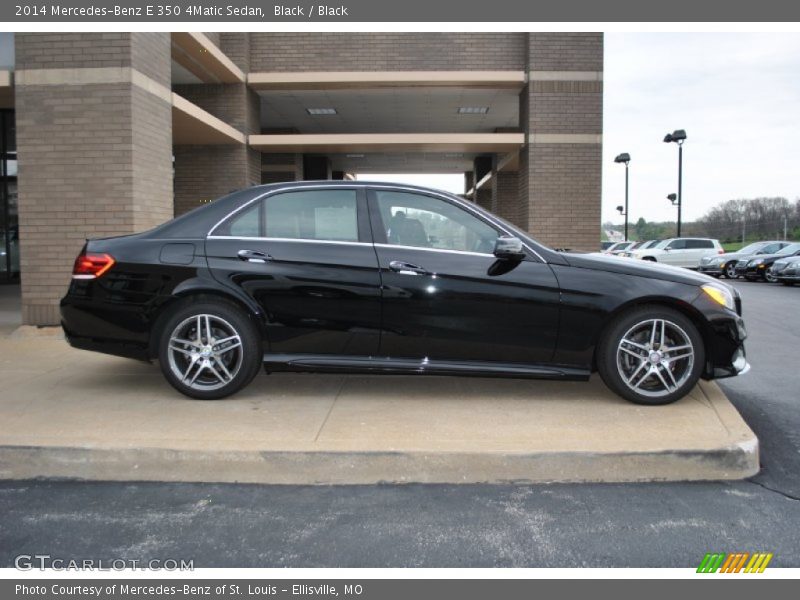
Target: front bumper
[724, 334]
[712, 269]
[788, 275]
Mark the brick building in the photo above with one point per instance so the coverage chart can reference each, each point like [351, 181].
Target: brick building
[112, 133]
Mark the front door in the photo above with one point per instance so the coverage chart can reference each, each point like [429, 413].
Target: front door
[446, 296]
[306, 257]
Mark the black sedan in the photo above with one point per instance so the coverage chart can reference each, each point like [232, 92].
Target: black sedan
[759, 268]
[383, 278]
[786, 270]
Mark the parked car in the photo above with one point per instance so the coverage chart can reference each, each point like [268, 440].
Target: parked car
[383, 278]
[640, 246]
[758, 268]
[680, 252]
[606, 245]
[786, 270]
[725, 264]
[618, 247]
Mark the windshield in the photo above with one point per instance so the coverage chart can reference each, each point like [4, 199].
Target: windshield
[790, 249]
[752, 248]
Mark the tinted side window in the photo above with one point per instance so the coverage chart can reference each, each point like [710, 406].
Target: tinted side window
[427, 222]
[312, 215]
[771, 248]
[694, 244]
[677, 245]
[327, 215]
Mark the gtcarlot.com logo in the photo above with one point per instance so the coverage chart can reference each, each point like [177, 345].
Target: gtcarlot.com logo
[734, 562]
[30, 562]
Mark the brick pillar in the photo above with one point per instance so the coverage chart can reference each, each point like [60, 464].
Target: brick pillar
[505, 191]
[561, 113]
[94, 137]
[203, 173]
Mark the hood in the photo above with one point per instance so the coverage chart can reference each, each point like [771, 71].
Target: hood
[638, 268]
[771, 257]
[727, 256]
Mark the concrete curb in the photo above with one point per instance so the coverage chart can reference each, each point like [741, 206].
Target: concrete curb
[154, 464]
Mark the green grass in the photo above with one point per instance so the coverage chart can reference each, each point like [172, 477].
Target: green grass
[734, 246]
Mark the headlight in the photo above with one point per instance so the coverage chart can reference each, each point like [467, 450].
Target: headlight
[720, 295]
[795, 265]
[722, 265]
[757, 261]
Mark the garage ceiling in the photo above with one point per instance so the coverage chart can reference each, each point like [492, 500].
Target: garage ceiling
[391, 110]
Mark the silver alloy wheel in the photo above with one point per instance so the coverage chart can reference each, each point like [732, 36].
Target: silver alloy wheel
[730, 270]
[770, 276]
[205, 352]
[655, 357]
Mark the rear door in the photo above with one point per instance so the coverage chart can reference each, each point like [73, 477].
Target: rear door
[445, 294]
[675, 253]
[305, 255]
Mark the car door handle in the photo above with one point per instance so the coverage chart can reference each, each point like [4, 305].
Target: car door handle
[254, 256]
[404, 268]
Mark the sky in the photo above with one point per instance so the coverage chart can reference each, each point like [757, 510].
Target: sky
[737, 95]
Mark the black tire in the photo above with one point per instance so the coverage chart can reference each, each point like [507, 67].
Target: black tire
[609, 364]
[730, 270]
[239, 364]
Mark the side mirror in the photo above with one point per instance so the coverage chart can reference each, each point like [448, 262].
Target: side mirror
[509, 248]
[667, 249]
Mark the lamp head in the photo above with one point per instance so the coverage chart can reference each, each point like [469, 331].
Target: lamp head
[621, 209]
[623, 158]
[672, 197]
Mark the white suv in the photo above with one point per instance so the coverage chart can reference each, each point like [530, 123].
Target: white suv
[681, 252]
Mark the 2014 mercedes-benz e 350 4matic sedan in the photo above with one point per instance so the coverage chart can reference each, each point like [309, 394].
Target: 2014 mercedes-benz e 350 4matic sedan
[384, 278]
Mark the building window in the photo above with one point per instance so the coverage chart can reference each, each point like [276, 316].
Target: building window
[9, 213]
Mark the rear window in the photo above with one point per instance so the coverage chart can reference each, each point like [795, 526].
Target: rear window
[325, 215]
[694, 244]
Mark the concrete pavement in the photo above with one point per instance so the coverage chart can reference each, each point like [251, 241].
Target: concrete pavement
[75, 414]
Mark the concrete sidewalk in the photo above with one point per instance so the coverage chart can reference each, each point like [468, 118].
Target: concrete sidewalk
[75, 414]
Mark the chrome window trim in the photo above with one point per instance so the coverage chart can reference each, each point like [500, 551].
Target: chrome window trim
[296, 240]
[466, 205]
[445, 250]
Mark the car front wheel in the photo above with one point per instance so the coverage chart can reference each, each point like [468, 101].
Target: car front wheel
[730, 270]
[209, 349]
[651, 355]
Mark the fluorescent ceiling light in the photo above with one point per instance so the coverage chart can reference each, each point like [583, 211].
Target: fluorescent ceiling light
[321, 111]
[473, 110]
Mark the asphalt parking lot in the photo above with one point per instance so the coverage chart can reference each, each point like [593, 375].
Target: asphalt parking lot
[570, 525]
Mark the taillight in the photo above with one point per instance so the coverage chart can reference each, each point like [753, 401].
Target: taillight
[89, 265]
[721, 251]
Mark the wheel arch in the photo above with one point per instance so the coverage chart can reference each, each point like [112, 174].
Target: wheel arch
[198, 290]
[686, 309]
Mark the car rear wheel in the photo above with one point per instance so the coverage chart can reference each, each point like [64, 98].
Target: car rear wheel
[730, 270]
[651, 355]
[209, 350]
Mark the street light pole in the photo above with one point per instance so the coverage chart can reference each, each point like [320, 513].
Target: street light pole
[679, 137]
[680, 184]
[625, 158]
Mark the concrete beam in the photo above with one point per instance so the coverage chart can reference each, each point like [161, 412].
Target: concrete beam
[327, 80]
[339, 143]
[200, 56]
[191, 125]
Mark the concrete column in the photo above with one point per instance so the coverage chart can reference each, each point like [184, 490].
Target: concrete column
[316, 167]
[561, 113]
[94, 137]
